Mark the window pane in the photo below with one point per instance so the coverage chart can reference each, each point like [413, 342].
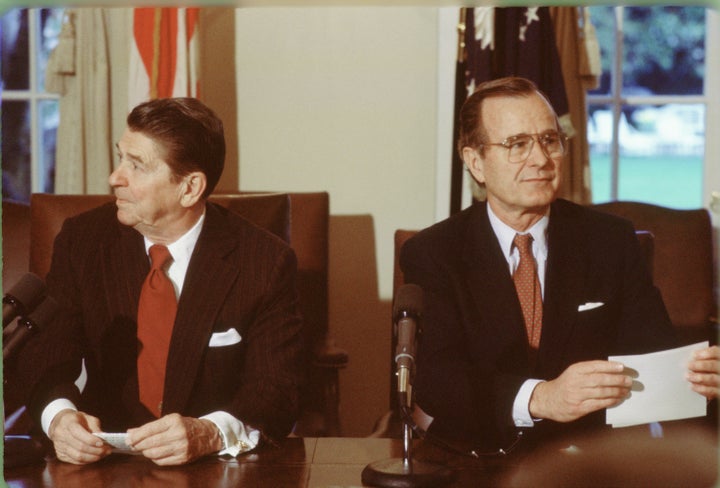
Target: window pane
[664, 50]
[49, 120]
[15, 50]
[50, 24]
[603, 20]
[16, 150]
[661, 154]
[599, 133]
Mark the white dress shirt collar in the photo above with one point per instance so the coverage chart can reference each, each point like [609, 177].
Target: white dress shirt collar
[181, 251]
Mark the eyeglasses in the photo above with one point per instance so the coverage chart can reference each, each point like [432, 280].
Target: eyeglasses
[519, 147]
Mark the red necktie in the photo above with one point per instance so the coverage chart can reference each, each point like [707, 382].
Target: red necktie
[156, 316]
[527, 285]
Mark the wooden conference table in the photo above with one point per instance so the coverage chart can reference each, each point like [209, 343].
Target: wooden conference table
[684, 458]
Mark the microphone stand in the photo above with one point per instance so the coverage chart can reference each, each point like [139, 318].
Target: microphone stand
[21, 450]
[406, 472]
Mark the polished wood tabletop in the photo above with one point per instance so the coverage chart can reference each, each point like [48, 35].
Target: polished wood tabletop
[683, 460]
[297, 462]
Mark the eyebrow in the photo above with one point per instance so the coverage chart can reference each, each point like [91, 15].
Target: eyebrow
[130, 156]
[543, 133]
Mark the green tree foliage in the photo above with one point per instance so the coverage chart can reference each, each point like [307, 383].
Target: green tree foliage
[664, 48]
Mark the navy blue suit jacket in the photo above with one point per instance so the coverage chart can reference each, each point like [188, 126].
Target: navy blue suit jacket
[472, 351]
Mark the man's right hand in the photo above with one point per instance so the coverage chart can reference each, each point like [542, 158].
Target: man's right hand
[70, 432]
[581, 389]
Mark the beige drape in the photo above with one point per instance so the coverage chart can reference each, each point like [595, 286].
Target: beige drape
[82, 69]
[573, 45]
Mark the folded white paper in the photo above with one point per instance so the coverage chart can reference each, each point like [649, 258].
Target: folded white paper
[660, 391]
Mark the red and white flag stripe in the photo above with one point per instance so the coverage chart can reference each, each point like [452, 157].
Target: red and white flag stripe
[163, 54]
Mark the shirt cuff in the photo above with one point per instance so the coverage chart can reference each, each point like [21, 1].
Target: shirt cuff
[237, 437]
[521, 405]
[51, 410]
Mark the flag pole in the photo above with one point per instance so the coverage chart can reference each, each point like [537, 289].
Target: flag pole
[456, 171]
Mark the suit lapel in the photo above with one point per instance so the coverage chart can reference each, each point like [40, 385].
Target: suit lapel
[209, 277]
[488, 279]
[564, 276]
[127, 265]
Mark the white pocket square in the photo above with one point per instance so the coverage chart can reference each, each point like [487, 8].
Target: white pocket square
[227, 338]
[589, 306]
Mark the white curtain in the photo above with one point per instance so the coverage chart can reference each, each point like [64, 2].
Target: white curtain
[82, 70]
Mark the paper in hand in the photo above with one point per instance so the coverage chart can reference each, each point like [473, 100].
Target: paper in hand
[117, 441]
[660, 391]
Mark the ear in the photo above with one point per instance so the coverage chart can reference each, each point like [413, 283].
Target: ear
[474, 163]
[193, 187]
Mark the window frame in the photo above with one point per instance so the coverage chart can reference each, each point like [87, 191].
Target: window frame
[34, 96]
[616, 100]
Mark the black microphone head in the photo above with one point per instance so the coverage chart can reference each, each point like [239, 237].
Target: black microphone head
[27, 293]
[43, 315]
[408, 301]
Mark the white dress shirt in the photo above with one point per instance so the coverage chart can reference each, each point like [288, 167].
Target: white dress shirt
[505, 235]
[237, 437]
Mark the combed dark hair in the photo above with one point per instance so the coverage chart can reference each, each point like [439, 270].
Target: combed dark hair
[472, 130]
[189, 133]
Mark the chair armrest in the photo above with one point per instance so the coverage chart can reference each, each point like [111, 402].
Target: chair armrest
[328, 355]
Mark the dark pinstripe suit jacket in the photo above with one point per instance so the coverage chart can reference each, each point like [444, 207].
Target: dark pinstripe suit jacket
[239, 277]
[472, 355]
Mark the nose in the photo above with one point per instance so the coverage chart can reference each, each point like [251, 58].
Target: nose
[538, 154]
[117, 178]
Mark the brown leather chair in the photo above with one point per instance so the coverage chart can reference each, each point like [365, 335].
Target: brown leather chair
[15, 242]
[682, 263]
[309, 237]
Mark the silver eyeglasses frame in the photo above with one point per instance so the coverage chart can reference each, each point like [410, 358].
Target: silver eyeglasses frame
[520, 146]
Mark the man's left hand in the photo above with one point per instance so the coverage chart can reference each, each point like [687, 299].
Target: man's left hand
[173, 439]
[704, 374]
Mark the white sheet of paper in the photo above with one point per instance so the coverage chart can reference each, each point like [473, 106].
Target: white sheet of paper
[660, 391]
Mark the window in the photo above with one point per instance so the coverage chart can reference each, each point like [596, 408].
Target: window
[646, 121]
[30, 116]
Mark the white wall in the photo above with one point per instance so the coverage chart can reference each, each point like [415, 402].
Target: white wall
[341, 99]
[344, 99]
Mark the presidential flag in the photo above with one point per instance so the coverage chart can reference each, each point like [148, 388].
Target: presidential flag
[163, 54]
[515, 41]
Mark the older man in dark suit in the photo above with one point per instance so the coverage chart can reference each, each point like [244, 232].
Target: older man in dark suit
[514, 338]
[215, 366]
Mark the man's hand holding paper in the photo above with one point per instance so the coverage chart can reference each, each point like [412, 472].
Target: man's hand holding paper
[668, 385]
[704, 374]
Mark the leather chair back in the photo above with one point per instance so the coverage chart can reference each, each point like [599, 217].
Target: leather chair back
[682, 263]
[48, 212]
[309, 238]
[15, 242]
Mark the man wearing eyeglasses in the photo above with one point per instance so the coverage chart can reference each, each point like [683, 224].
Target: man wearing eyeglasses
[526, 295]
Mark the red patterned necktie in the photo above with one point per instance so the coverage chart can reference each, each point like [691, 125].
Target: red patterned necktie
[527, 285]
[156, 316]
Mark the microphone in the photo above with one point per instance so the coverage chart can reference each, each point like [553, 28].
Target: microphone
[21, 450]
[407, 310]
[37, 321]
[406, 471]
[22, 298]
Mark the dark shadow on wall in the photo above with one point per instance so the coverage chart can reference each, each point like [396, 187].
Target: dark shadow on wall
[218, 87]
[359, 322]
